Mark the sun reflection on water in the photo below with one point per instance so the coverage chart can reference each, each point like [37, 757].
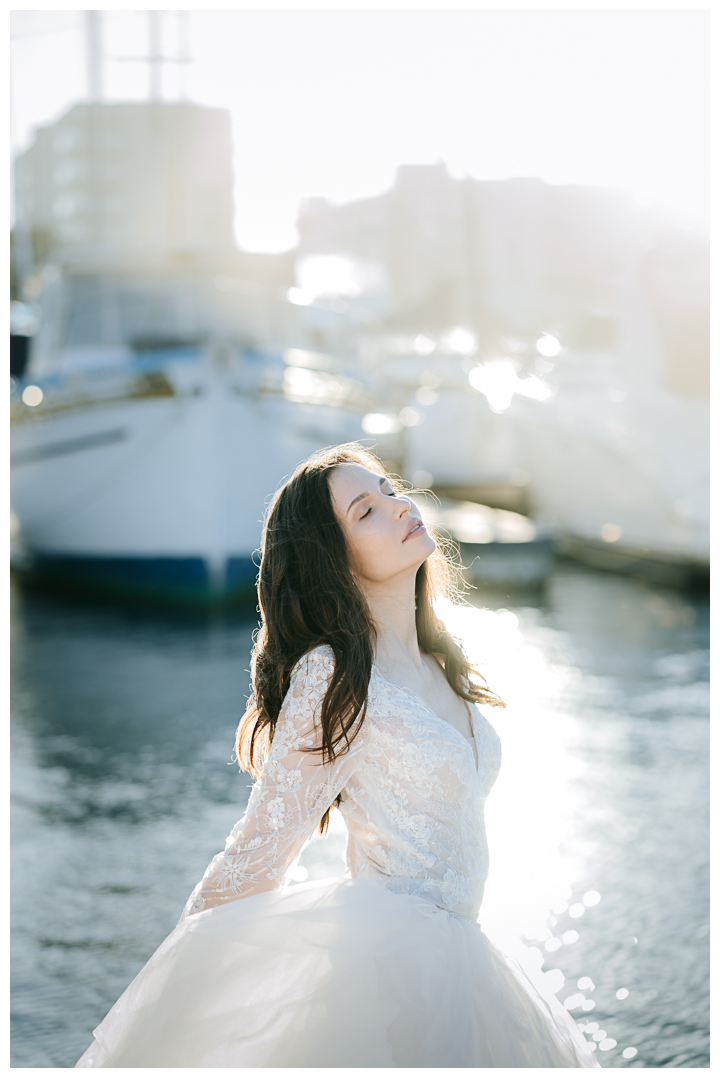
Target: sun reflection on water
[530, 811]
[533, 809]
[543, 824]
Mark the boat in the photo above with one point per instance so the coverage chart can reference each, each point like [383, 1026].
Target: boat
[172, 384]
[148, 476]
[610, 462]
[496, 548]
[619, 471]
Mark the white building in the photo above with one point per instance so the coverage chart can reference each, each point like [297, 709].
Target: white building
[128, 209]
[108, 178]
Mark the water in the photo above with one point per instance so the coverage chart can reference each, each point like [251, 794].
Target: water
[122, 792]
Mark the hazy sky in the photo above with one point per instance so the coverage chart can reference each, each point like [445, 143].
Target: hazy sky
[330, 102]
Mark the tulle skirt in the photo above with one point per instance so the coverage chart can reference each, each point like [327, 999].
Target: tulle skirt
[342, 974]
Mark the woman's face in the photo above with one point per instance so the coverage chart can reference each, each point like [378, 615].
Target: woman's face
[385, 532]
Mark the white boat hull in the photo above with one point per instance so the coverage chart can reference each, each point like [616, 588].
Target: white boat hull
[631, 479]
[163, 489]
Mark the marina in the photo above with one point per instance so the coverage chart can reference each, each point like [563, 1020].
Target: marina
[528, 357]
[168, 381]
[167, 391]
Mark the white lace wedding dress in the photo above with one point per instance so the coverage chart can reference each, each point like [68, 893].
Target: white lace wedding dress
[387, 967]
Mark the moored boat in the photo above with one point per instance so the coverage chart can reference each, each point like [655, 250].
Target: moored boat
[148, 475]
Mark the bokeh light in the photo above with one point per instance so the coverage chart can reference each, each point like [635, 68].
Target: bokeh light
[548, 345]
[32, 396]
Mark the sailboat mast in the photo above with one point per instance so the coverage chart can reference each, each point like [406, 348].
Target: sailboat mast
[94, 54]
[155, 59]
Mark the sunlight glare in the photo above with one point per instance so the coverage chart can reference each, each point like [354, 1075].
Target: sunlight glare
[574, 1002]
[538, 772]
[381, 424]
[301, 297]
[497, 380]
[459, 341]
[548, 345]
[423, 345]
[330, 275]
[535, 388]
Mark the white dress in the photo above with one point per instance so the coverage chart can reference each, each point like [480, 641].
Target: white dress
[385, 968]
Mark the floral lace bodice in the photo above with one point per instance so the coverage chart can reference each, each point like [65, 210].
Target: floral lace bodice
[411, 795]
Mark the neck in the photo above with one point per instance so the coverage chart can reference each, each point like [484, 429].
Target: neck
[392, 607]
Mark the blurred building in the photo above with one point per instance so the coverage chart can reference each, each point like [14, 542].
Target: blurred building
[124, 231]
[111, 178]
[675, 278]
[500, 255]
[520, 257]
[545, 350]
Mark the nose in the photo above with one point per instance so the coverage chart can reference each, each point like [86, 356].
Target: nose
[403, 505]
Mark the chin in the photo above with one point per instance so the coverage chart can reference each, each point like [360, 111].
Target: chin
[428, 546]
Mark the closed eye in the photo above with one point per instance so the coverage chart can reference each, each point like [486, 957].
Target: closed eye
[367, 512]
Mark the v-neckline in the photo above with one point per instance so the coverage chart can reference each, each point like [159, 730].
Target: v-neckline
[408, 690]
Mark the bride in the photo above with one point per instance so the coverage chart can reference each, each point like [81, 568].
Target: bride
[362, 700]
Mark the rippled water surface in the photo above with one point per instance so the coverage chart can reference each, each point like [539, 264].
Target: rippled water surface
[122, 791]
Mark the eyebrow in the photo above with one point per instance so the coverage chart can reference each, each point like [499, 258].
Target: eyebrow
[357, 499]
[381, 481]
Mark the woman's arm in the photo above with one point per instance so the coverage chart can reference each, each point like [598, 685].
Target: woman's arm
[287, 802]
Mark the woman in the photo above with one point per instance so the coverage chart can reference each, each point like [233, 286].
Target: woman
[361, 699]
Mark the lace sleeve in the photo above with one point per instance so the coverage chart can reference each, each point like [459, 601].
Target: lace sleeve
[287, 802]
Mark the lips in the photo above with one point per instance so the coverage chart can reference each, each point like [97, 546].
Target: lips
[416, 528]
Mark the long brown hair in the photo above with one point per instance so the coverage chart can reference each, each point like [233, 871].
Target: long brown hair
[309, 597]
